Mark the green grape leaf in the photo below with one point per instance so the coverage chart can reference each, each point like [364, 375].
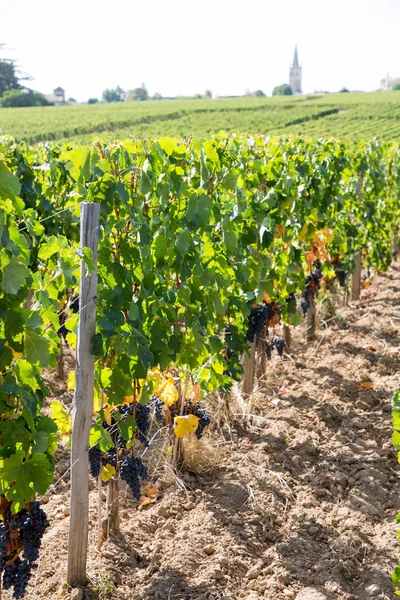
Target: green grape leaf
[145, 185]
[36, 348]
[10, 186]
[86, 255]
[26, 374]
[14, 276]
[182, 242]
[101, 438]
[22, 476]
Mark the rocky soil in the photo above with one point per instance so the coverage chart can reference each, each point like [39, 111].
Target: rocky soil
[302, 497]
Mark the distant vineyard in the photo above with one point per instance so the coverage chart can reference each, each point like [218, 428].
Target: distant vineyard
[352, 116]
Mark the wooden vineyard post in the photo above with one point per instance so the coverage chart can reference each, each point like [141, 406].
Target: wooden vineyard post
[311, 321]
[60, 364]
[287, 337]
[113, 518]
[249, 367]
[356, 278]
[83, 402]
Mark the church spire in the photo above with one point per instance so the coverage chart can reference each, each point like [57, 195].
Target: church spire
[295, 74]
[296, 60]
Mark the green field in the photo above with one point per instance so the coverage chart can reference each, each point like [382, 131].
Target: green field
[345, 116]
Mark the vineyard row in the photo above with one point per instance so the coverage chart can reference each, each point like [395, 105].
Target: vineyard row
[204, 248]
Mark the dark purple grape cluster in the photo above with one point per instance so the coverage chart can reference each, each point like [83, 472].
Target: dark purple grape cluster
[158, 410]
[95, 461]
[259, 317]
[126, 409]
[278, 344]
[143, 423]
[132, 471]
[74, 304]
[4, 541]
[17, 576]
[204, 419]
[110, 458]
[341, 275]
[31, 524]
[142, 417]
[121, 443]
[313, 283]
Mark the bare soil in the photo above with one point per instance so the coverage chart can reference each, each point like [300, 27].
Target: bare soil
[303, 497]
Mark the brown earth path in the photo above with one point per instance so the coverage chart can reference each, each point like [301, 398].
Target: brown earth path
[303, 499]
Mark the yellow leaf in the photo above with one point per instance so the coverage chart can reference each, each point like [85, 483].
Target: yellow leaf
[61, 418]
[107, 473]
[303, 232]
[328, 235]
[170, 450]
[169, 395]
[185, 425]
[128, 399]
[71, 339]
[366, 385]
[98, 396]
[155, 375]
[167, 379]
[71, 381]
[107, 415]
[16, 355]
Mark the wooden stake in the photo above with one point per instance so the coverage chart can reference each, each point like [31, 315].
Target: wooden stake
[114, 521]
[83, 403]
[356, 278]
[287, 336]
[311, 321]
[99, 500]
[248, 362]
[60, 363]
[178, 442]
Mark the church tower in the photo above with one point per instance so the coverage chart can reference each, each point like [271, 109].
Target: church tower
[295, 75]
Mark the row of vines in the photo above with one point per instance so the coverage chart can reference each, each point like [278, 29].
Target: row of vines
[204, 247]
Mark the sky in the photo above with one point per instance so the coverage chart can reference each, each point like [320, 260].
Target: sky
[183, 47]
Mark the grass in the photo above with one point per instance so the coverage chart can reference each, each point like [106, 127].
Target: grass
[345, 116]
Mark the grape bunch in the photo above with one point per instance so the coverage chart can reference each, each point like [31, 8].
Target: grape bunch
[132, 471]
[341, 275]
[142, 417]
[158, 410]
[62, 317]
[30, 523]
[17, 576]
[143, 423]
[74, 304]
[95, 461]
[4, 541]
[204, 419]
[278, 344]
[313, 283]
[259, 317]
[110, 458]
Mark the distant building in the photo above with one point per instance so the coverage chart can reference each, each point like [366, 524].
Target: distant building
[295, 75]
[389, 82]
[57, 97]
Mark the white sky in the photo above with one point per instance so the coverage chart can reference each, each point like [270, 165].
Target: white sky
[188, 46]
